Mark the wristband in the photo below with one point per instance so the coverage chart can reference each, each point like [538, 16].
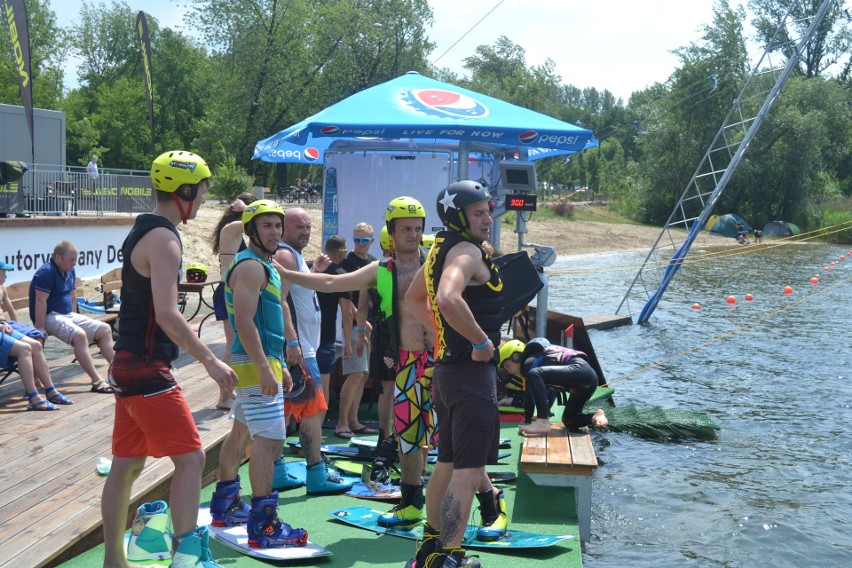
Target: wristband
[482, 346]
[293, 343]
[360, 330]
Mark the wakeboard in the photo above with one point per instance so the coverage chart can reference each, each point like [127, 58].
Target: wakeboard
[366, 518]
[236, 538]
[349, 467]
[371, 443]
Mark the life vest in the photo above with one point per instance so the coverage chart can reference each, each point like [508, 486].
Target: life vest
[269, 317]
[485, 302]
[388, 301]
[139, 332]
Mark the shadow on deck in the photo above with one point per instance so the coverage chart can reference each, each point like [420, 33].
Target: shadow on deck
[50, 503]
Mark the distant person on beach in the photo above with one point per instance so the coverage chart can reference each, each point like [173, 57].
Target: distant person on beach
[151, 416]
[18, 348]
[53, 301]
[253, 297]
[227, 239]
[543, 366]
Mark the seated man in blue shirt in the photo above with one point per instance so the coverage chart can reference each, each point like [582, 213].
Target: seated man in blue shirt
[52, 299]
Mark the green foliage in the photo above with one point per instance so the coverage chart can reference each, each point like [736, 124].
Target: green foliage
[230, 179]
[833, 214]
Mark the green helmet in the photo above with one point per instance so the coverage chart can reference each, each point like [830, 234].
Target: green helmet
[509, 348]
[260, 207]
[173, 169]
[404, 207]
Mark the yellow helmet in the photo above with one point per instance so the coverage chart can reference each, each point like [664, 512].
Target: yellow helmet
[385, 240]
[404, 207]
[196, 272]
[508, 349]
[427, 240]
[173, 169]
[260, 207]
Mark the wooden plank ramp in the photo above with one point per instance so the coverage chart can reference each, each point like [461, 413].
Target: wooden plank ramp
[558, 453]
[51, 492]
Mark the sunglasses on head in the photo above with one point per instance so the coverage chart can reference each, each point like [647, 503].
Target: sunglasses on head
[362, 240]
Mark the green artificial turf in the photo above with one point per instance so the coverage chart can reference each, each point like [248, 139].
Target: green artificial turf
[531, 508]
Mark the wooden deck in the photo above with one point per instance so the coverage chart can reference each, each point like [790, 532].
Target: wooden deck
[51, 493]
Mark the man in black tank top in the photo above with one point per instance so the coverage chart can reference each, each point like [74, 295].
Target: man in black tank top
[151, 416]
[460, 289]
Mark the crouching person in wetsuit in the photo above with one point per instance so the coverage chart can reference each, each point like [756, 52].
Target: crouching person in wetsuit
[543, 366]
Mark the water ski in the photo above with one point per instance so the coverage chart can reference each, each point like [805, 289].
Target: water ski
[236, 538]
[365, 518]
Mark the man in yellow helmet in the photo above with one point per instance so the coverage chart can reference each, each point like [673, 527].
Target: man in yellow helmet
[410, 354]
[151, 416]
[256, 313]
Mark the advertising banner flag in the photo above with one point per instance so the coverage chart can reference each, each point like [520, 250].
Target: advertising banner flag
[15, 16]
[145, 45]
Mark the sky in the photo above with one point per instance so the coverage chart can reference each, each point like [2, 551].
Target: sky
[619, 45]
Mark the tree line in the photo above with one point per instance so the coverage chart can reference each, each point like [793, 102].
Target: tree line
[237, 71]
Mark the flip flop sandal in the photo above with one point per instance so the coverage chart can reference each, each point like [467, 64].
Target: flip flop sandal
[102, 388]
[57, 397]
[345, 434]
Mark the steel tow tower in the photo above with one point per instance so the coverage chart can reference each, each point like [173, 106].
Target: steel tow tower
[747, 114]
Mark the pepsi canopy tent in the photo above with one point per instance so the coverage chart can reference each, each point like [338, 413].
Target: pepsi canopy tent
[416, 111]
[780, 229]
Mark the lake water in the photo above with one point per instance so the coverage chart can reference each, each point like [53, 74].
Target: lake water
[775, 489]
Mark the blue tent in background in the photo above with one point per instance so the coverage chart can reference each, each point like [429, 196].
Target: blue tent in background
[726, 225]
[416, 111]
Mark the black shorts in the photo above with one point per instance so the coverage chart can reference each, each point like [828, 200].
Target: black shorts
[465, 398]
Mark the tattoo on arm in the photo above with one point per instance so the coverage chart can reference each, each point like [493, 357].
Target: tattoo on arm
[451, 520]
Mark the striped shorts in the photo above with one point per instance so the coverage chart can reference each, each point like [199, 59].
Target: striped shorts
[263, 415]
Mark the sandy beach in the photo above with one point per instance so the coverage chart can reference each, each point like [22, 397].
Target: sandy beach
[569, 237]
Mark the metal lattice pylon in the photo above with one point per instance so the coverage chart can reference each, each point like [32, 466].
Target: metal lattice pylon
[740, 126]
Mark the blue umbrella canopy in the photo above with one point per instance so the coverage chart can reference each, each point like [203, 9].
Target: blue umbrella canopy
[413, 110]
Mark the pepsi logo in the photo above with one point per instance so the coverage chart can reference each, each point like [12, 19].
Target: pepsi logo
[329, 130]
[311, 154]
[445, 104]
[528, 137]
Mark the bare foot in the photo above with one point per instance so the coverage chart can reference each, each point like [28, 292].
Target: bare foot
[536, 427]
[599, 419]
[226, 400]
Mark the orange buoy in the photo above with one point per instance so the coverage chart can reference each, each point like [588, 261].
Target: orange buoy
[825, 269]
[731, 300]
[814, 280]
[749, 297]
[842, 257]
[696, 306]
[788, 289]
[833, 263]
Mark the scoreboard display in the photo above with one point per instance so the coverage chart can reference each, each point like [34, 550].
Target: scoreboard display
[521, 202]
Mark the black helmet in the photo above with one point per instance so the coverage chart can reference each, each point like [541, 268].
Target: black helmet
[452, 201]
[298, 375]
